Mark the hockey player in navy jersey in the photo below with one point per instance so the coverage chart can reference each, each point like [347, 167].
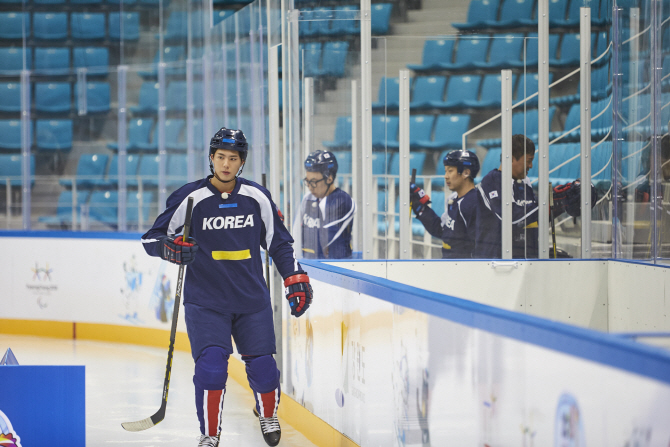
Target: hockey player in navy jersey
[456, 227]
[326, 212]
[224, 291]
[488, 232]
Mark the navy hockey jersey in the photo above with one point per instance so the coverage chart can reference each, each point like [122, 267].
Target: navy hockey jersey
[488, 237]
[456, 228]
[325, 226]
[227, 273]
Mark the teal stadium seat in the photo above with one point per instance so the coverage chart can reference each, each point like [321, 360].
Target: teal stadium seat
[90, 169]
[381, 18]
[94, 59]
[420, 129]
[384, 129]
[131, 26]
[461, 89]
[434, 52]
[10, 169]
[103, 207]
[10, 97]
[54, 97]
[176, 174]
[111, 180]
[342, 137]
[139, 133]
[87, 26]
[427, 91]
[449, 130]
[389, 94]
[50, 25]
[514, 14]
[468, 50]
[52, 61]
[12, 25]
[12, 60]
[53, 135]
[64, 208]
[480, 14]
[504, 51]
[11, 135]
[147, 172]
[133, 206]
[97, 97]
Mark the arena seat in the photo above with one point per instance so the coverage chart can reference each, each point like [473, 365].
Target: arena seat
[50, 25]
[468, 51]
[434, 52]
[53, 97]
[384, 128]
[460, 90]
[97, 97]
[172, 55]
[94, 59]
[131, 26]
[103, 207]
[417, 159]
[222, 14]
[420, 128]
[10, 166]
[53, 61]
[87, 26]
[133, 206]
[173, 128]
[147, 172]
[139, 132]
[87, 2]
[557, 12]
[342, 23]
[12, 60]
[53, 135]
[388, 94]
[10, 97]
[111, 179]
[342, 137]
[491, 162]
[427, 91]
[449, 130]
[12, 23]
[11, 135]
[176, 170]
[480, 13]
[381, 18]
[504, 51]
[490, 93]
[90, 169]
[63, 214]
[334, 60]
[531, 55]
[514, 14]
[148, 98]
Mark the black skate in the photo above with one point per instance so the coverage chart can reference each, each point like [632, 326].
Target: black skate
[270, 429]
[208, 441]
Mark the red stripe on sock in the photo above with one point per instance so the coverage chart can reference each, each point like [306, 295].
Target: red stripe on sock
[269, 402]
[213, 407]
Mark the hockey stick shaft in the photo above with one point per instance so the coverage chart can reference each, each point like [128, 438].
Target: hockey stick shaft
[267, 255]
[160, 414]
[412, 182]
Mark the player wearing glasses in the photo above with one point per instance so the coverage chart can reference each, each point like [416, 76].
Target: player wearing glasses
[326, 212]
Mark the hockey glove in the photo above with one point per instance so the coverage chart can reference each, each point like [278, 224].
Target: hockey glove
[298, 293]
[418, 198]
[176, 251]
[568, 198]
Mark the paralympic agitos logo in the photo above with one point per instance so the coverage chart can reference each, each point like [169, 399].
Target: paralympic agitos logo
[8, 438]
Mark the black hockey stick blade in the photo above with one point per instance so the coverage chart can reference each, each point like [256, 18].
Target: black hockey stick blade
[149, 422]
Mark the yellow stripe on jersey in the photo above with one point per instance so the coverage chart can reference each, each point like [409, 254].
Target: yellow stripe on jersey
[231, 255]
[533, 225]
[446, 246]
[308, 250]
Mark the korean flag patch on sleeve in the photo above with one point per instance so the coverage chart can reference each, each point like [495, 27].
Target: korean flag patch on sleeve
[493, 194]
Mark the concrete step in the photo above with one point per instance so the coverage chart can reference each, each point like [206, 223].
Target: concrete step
[428, 29]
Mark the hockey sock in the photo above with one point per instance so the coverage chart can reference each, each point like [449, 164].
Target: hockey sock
[263, 377]
[211, 374]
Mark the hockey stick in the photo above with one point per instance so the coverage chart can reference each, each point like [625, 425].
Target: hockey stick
[551, 216]
[411, 182]
[267, 255]
[160, 414]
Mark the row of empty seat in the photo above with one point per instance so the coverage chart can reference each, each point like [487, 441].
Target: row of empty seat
[54, 61]
[143, 135]
[82, 26]
[325, 21]
[329, 59]
[46, 135]
[56, 97]
[504, 51]
[102, 171]
[507, 14]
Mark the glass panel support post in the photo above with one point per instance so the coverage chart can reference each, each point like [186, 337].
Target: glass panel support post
[190, 147]
[405, 251]
[122, 155]
[308, 116]
[356, 178]
[162, 153]
[273, 106]
[367, 212]
[506, 186]
[585, 126]
[26, 143]
[543, 127]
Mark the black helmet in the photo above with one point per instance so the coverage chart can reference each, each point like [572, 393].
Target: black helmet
[323, 162]
[233, 140]
[463, 159]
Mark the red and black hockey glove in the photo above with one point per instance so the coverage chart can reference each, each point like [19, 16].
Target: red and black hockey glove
[298, 293]
[418, 198]
[176, 251]
[568, 198]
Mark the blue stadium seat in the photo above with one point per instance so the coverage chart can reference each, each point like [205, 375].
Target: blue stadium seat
[11, 135]
[503, 52]
[343, 161]
[133, 206]
[103, 207]
[420, 128]
[148, 98]
[527, 86]
[434, 52]
[522, 123]
[173, 128]
[601, 87]
[222, 14]
[177, 26]
[468, 51]
[388, 94]
[172, 56]
[320, 22]
[427, 91]
[111, 180]
[131, 26]
[384, 129]
[12, 60]
[416, 161]
[176, 170]
[49, 2]
[148, 171]
[50, 25]
[64, 208]
[342, 137]
[514, 14]
[90, 170]
[460, 90]
[53, 135]
[449, 130]
[87, 26]
[557, 12]
[97, 97]
[334, 60]
[180, 144]
[572, 16]
[12, 25]
[53, 61]
[139, 132]
[381, 208]
[233, 94]
[10, 166]
[380, 163]
[381, 17]
[87, 2]
[94, 59]
[343, 22]
[54, 97]
[490, 93]
[10, 97]
[569, 52]
[480, 14]
[491, 162]
[176, 95]
[311, 54]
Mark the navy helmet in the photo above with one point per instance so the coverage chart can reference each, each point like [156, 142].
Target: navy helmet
[233, 140]
[463, 159]
[323, 162]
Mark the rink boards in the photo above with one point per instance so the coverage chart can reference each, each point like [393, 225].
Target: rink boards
[385, 363]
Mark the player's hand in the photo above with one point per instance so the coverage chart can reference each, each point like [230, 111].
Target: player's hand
[298, 293]
[176, 251]
[418, 198]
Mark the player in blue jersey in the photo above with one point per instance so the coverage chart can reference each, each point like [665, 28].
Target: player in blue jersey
[488, 232]
[224, 291]
[326, 212]
[456, 227]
